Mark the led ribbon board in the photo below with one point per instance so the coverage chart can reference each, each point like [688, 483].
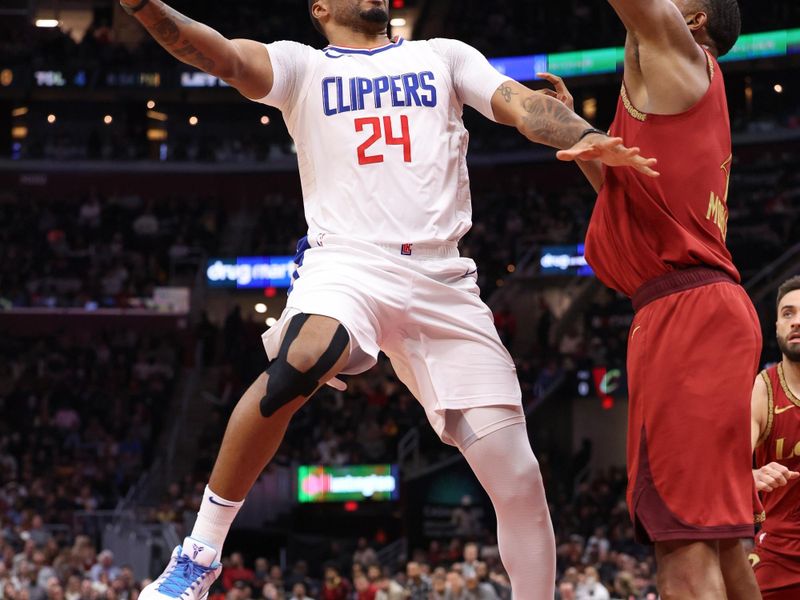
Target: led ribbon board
[611, 60]
[342, 484]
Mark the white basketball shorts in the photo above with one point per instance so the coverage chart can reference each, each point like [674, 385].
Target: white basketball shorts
[418, 304]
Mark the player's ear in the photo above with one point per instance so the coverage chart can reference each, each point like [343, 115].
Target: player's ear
[320, 9]
[696, 20]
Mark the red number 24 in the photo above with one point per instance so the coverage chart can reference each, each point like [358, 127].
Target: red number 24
[377, 133]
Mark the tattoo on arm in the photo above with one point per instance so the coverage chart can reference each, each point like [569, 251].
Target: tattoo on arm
[548, 121]
[507, 93]
[166, 32]
[170, 29]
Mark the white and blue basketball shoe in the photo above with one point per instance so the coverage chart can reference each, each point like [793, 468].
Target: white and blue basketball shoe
[188, 576]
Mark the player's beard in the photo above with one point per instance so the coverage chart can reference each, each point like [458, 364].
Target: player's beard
[790, 351]
[372, 21]
[376, 15]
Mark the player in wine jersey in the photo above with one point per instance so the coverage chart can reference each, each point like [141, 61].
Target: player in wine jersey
[381, 148]
[775, 436]
[695, 341]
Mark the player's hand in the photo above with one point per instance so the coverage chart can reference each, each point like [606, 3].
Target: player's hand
[561, 93]
[772, 476]
[609, 151]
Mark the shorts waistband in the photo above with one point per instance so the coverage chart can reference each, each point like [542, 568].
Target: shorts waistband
[676, 281]
[410, 250]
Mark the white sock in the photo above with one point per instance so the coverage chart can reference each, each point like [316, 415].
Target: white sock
[505, 465]
[214, 520]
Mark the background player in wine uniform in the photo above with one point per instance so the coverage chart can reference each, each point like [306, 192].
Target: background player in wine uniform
[776, 438]
[695, 341]
[381, 148]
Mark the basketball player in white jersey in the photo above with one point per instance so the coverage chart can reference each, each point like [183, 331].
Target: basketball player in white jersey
[382, 154]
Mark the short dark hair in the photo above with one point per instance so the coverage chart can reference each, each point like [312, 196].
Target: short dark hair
[314, 20]
[724, 23]
[790, 285]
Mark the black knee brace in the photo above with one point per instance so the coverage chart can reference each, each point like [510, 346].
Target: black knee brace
[285, 383]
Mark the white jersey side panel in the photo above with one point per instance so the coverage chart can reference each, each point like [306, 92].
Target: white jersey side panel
[381, 144]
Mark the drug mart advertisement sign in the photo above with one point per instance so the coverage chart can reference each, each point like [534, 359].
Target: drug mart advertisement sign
[250, 272]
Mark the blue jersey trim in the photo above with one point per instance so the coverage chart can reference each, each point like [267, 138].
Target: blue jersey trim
[302, 246]
[337, 49]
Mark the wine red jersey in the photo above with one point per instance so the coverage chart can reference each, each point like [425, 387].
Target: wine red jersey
[643, 227]
[780, 443]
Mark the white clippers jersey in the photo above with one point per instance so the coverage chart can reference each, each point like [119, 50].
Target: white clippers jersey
[380, 141]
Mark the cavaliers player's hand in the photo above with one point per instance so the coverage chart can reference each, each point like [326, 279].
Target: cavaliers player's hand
[772, 476]
[610, 151]
[560, 93]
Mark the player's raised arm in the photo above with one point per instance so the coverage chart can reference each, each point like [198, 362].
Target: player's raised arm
[658, 22]
[666, 69]
[244, 64]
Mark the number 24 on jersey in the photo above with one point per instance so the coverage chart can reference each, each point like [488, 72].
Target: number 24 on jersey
[382, 129]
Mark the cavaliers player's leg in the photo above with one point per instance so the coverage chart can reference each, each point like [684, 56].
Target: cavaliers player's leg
[740, 582]
[689, 448]
[314, 349]
[718, 570]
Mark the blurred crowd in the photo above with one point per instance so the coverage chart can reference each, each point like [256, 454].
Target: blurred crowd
[597, 559]
[78, 421]
[94, 251]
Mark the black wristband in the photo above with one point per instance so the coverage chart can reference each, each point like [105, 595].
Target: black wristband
[131, 10]
[586, 132]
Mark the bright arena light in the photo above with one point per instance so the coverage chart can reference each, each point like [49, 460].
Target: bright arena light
[51, 119]
[265, 120]
[271, 321]
[778, 88]
[398, 22]
[261, 308]
[47, 22]
[193, 120]
[108, 119]
[151, 104]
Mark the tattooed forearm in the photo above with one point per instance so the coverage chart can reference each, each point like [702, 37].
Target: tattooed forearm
[192, 55]
[548, 121]
[166, 31]
[189, 41]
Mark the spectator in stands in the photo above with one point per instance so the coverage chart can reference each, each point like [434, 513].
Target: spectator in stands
[334, 586]
[417, 585]
[236, 571]
[299, 574]
[365, 589]
[566, 591]
[270, 591]
[389, 589]
[299, 592]
[590, 588]
[104, 567]
[260, 570]
[364, 554]
[470, 559]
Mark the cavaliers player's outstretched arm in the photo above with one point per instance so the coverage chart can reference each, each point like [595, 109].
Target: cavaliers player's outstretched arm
[666, 71]
[244, 64]
[546, 120]
[771, 476]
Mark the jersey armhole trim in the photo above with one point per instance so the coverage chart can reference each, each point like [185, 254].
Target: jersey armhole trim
[770, 409]
[782, 378]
